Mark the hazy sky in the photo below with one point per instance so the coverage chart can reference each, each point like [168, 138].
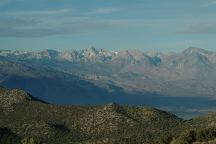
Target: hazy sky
[165, 25]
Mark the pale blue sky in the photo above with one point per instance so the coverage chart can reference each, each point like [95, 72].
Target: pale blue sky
[148, 25]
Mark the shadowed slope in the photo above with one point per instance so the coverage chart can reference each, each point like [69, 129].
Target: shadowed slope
[83, 124]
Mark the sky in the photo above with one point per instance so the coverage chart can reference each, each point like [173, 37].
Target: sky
[148, 25]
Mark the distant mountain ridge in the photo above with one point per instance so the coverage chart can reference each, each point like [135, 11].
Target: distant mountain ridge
[191, 58]
[93, 75]
[97, 54]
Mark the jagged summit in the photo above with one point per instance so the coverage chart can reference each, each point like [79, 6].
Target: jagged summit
[93, 50]
[133, 53]
[50, 53]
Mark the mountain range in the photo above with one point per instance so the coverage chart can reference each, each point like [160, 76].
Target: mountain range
[172, 81]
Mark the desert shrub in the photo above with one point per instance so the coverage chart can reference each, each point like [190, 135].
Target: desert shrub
[187, 137]
[198, 135]
[206, 134]
[164, 139]
[28, 140]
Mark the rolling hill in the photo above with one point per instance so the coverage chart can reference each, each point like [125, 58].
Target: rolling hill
[25, 118]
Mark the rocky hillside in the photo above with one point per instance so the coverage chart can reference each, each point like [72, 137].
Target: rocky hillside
[28, 117]
[24, 118]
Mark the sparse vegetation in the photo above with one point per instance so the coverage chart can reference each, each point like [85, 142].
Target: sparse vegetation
[28, 140]
[196, 135]
[31, 121]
